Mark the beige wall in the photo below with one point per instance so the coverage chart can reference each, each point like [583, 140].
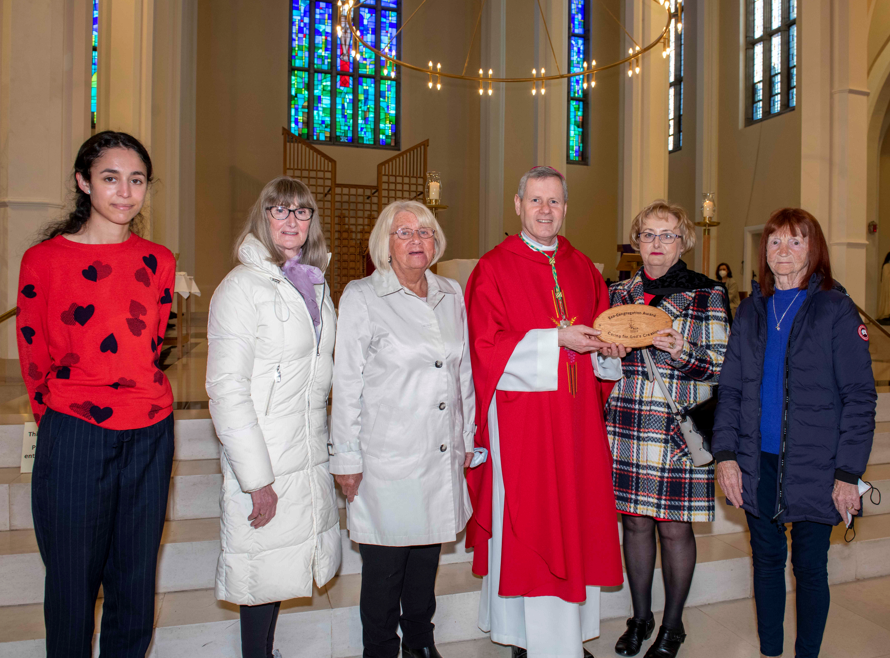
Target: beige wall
[242, 106]
[759, 165]
[884, 203]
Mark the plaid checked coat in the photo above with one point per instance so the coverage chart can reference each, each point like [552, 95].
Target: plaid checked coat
[652, 472]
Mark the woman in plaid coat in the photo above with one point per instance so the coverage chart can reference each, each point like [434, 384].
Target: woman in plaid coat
[656, 484]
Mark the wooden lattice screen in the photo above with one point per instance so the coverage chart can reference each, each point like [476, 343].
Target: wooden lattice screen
[403, 176]
[317, 170]
[349, 211]
[357, 210]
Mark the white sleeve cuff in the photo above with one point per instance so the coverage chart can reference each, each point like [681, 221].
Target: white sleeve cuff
[534, 364]
[607, 368]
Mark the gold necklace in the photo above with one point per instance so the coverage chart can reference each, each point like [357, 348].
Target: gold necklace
[778, 319]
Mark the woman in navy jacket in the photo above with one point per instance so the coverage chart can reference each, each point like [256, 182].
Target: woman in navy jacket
[795, 422]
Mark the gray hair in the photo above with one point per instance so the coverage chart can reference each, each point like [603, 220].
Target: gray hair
[378, 243]
[284, 191]
[543, 172]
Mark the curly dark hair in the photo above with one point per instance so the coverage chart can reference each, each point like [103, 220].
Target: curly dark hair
[90, 151]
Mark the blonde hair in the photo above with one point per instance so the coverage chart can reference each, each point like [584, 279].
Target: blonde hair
[662, 210]
[284, 191]
[378, 243]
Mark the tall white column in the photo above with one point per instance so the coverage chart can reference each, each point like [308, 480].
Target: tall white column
[834, 106]
[493, 111]
[44, 117]
[707, 85]
[644, 156]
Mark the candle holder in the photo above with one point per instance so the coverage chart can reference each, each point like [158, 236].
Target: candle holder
[708, 212]
[433, 193]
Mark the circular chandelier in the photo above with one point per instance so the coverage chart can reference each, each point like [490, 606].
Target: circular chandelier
[346, 25]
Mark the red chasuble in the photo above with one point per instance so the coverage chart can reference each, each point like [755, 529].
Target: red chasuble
[560, 525]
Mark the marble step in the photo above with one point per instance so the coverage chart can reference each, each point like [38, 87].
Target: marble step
[194, 624]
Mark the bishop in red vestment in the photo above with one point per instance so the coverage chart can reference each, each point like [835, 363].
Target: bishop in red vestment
[544, 529]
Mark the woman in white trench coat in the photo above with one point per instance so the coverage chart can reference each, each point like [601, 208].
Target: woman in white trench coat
[403, 427]
[271, 337]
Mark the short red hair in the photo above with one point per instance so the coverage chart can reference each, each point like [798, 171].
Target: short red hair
[797, 222]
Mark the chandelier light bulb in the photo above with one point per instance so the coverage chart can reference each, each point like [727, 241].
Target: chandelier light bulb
[593, 80]
[679, 27]
[534, 83]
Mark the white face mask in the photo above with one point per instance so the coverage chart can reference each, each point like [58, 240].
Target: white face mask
[721, 273]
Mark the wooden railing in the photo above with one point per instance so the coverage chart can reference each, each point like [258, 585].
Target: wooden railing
[11, 313]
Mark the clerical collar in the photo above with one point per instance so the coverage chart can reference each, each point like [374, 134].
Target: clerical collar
[538, 245]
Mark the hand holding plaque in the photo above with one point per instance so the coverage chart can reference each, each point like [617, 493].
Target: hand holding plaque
[631, 325]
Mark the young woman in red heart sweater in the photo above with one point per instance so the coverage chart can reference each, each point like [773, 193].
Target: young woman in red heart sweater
[93, 304]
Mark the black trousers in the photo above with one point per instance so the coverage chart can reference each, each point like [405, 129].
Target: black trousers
[99, 500]
[394, 578]
[809, 559]
[258, 629]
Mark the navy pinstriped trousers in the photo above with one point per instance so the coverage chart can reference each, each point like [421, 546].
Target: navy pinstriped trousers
[99, 500]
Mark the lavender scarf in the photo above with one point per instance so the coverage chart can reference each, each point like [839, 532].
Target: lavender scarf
[303, 277]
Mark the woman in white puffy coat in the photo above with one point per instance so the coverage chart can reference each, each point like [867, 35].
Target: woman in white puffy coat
[271, 338]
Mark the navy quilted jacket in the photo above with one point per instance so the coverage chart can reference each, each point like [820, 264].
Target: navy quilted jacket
[830, 403]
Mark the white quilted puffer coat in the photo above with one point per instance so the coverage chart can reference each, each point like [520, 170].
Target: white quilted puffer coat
[268, 380]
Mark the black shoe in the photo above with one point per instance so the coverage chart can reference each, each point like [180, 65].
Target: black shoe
[587, 654]
[667, 643]
[425, 652]
[638, 631]
[519, 652]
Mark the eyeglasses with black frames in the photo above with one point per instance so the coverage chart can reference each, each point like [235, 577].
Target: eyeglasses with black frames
[281, 213]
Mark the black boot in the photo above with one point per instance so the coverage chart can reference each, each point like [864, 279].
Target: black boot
[519, 652]
[667, 644]
[638, 631]
[424, 652]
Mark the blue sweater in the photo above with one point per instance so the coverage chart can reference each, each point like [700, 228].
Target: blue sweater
[771, 387]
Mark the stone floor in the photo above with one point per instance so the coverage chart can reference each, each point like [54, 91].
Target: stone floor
[858, 627]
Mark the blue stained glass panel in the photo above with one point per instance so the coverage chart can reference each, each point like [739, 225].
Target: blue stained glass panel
[366, 111]
[321, 107]
[387, 113]
[344, 109]
[299, 39]
[758, 19]
[388, 40]
[323, 35]
[792, 45]
[578, 12]
[576, 84]
[792, 10]
[299, 104]
[95, 67]
[776, 21]
[367, 27]
[392, 4]
[576, 130]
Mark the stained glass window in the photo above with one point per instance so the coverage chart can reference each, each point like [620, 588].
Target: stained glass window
[772, 58]
[340, 92]
[579, 46]
[95, 65]
[676, 60]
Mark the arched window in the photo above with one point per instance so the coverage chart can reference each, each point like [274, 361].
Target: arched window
[340, 92]
[771, 58]
[579, 45]
[95, 62]
[675, 80]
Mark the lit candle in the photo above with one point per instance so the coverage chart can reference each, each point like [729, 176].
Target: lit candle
[434, 191]
[707, 209]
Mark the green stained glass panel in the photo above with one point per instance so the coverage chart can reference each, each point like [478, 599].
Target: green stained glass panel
[576, 130]
[321, 108]
[322, 35]
[387, 113]
[366, 110]
[344, 109]
[299, 104]
[367, 27]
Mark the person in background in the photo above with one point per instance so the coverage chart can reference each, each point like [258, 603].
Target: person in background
[93, 302]
[402, 426]
[884, 299]
[724, 276]
[795, 422]
[657, 487]
[270, 341]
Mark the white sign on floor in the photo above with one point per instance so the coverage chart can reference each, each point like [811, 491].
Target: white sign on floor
[29, 447]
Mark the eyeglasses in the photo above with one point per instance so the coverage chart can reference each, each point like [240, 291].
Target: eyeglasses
[422, 233]
[663, 238]
[281, 213]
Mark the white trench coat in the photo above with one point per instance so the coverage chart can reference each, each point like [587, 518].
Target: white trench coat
[268, 379]
[403, 410]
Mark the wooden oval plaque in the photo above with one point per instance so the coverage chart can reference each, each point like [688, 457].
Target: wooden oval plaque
[631, 325]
